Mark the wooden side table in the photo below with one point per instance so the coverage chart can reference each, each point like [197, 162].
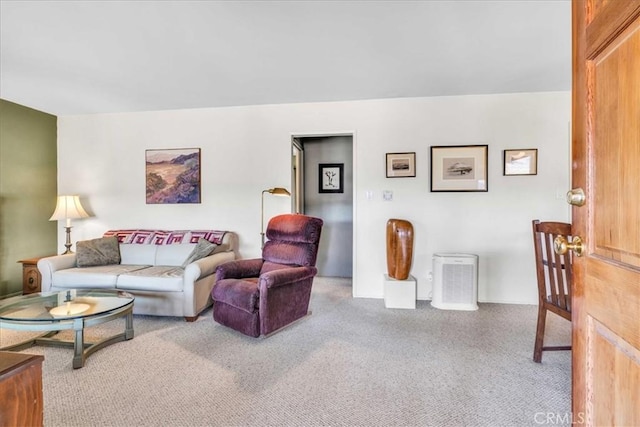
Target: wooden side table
[31, 278]
[21, 389]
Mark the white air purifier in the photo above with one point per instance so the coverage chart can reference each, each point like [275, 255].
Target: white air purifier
[455, 282]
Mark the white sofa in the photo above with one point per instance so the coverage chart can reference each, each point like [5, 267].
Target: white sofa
[150, 269]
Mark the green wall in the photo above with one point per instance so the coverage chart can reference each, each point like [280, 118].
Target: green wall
[28, 188]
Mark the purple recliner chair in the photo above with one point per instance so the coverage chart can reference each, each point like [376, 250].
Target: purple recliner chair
[259, 296]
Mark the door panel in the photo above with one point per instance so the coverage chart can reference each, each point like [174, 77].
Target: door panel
[606, 147]
[618, 391]
[616, 107]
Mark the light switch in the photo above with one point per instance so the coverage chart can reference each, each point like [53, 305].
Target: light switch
[368, 195]
[387, 195]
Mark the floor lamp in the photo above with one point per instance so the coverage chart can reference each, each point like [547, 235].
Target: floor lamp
[68, 208]
[276, 191]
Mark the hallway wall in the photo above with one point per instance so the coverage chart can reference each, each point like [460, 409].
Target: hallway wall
[335, 256]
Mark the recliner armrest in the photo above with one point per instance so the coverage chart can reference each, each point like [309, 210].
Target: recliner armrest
[286, 276]
[239, 269]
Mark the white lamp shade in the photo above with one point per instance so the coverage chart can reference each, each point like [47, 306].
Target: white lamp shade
[68, 207]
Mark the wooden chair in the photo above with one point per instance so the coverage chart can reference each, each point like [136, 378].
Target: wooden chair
[554, 279]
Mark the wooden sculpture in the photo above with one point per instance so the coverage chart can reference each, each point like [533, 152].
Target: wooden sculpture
[399, 248]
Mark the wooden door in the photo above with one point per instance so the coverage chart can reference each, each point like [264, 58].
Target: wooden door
[606, 164]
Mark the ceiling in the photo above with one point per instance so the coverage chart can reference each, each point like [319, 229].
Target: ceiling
[84, 57]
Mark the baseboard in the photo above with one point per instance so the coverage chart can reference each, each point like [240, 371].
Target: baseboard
[15, 294]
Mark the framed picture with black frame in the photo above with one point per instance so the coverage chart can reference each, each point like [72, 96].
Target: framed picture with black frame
[401, 165]
[459, 168]
[331, 178]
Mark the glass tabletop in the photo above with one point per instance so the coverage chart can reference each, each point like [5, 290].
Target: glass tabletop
[63, 305]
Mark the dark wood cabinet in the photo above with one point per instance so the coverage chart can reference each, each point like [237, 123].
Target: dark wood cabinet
[21, 389]
[31, 278]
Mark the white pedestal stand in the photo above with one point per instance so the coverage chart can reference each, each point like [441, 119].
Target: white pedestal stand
[399, 293]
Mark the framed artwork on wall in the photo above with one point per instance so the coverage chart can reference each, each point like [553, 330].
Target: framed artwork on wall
[330, 178]
[459, 168]
[401, 165]
[523, 161]
[172, 175]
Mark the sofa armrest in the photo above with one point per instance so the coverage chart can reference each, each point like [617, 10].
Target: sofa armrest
[239, 269]
[229, 244]
[205, 266]
[49, 265]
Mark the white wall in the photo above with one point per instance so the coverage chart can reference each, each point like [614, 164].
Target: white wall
[248, 149]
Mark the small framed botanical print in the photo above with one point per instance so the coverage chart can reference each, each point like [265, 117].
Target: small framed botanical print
[330, 178]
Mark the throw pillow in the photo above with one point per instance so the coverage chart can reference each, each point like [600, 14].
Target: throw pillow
[102, 251]
[203, 248]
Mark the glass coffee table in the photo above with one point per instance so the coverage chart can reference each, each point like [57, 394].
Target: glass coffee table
[52, 312]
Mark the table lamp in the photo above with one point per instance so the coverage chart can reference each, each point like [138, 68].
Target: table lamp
[68, 208]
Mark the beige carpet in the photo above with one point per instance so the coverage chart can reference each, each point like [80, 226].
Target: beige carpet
[352, 362]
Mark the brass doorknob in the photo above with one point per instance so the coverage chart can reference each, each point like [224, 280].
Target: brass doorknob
[576, 197]
[561, 245]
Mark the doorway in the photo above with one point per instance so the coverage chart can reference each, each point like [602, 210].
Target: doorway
[335, 254]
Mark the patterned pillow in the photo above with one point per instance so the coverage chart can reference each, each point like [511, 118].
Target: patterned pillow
[102, 251]
[202, 249]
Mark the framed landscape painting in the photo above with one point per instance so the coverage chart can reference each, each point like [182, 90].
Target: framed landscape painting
[173, 175]
[459, 168]
[401, 165]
